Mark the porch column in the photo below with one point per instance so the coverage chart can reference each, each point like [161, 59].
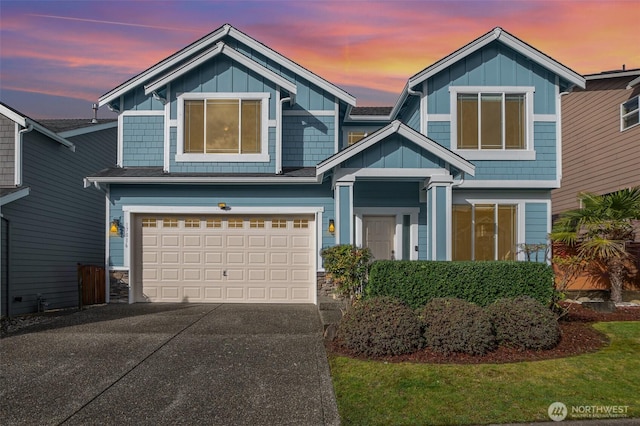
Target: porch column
[343, 196]
[439, 217]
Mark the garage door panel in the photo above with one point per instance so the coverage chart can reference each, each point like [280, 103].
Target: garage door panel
[170, 241]
[170, 257]
[170, 274]
[192, 274]
[192, 293]
[191, 257]
[236, 259]
[191, 241]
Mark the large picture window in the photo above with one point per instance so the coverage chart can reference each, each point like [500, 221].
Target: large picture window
[222, 126]
[491, 121]
[484, 232]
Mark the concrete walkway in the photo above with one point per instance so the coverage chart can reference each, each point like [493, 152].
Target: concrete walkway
[158, 364]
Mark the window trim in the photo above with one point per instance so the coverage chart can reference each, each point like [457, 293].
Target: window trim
[629, 114]
[263, 156]
[494, 154]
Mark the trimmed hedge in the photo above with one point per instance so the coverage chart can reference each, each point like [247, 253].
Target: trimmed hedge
[482, 283]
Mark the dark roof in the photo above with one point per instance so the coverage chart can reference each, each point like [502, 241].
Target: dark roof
[372, 110]
[151, 172]
[66, 124]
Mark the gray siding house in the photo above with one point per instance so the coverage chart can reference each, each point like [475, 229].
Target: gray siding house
[49, 221]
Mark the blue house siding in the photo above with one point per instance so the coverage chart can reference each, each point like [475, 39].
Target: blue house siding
[136, 100]
[494, 65]
[145, 141]
[211, 195]
[536, 225]
[307, 140]
[440, 131]
[395, 152]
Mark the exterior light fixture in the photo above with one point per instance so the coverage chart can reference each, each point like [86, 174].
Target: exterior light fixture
[115, 228]
[332, 226]
[222, 206]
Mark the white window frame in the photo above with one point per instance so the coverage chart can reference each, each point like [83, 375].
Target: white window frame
[494, 154]
[263, 156]
[629, 114]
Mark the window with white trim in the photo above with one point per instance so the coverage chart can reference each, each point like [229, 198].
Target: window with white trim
[630, 113]
[223, 127]
[492, 122]
[355, 136]
[485, 231]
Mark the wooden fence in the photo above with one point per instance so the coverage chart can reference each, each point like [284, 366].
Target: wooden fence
[91, 285]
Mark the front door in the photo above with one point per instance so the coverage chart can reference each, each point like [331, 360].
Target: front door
[378, 235]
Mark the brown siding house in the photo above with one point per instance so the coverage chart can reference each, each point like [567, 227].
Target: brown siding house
[600, 152]
[597, 154]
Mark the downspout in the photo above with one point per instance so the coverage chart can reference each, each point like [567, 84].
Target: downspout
[279, 136]
[18, 154]
[559, 134]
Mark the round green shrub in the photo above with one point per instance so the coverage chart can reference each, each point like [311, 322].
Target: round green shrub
[524, 323]
[380, 326]
[455, 325]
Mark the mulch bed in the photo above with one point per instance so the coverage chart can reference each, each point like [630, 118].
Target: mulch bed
[578, 337]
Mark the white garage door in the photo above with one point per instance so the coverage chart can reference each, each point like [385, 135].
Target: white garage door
[241, 259]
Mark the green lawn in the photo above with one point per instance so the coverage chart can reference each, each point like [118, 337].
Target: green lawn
[377, 393]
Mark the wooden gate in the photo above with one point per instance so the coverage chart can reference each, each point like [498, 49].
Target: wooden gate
[91, 285]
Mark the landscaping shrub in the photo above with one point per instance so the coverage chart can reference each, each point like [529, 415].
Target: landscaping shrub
[524, 323]
[347, 266]
[380, 326]
[417, 282]
[455, 325]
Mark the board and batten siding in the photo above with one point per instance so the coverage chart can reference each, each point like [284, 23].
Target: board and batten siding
[494, 65]
[7, 152]
[210, 195]
[596, 156]
[60, 223]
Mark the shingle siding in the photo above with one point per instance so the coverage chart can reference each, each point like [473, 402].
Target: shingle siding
[60, 223]
[7, 152]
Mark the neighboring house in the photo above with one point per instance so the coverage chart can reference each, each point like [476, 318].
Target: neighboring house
[236, 166]
[600, 150]
[50, 222]
[600, 137]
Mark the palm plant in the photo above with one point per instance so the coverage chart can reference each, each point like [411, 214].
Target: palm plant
[600, 230]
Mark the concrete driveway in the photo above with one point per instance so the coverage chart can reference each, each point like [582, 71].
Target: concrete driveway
[168, 364]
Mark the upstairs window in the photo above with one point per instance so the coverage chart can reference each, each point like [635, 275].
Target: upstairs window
[491, 121]
[223, 127]
[630, 113]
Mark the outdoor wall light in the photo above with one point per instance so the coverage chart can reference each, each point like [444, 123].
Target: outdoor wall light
[222, 206]
[332, 226]
[115, 228]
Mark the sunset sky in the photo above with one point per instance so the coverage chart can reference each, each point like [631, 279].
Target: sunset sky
[58, 57]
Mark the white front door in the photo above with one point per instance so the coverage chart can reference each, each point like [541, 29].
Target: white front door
[378, 236]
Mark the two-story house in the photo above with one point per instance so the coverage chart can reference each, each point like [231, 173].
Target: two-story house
[236, 166]
[49, 222]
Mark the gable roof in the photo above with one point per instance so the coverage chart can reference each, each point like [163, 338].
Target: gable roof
[220, 48]
[205, 43]
[397, 127]
[495, 34]
[29, 123]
